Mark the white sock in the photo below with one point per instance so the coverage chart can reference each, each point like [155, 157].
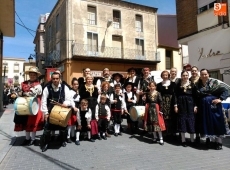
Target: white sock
[72, 131]
[115, 128]
[99, 134]
[27, 135]
[69, 131]
[212, 139]
[160, 135]
[89, 135]
[154, 135]
[118, 128]
[219, 140]
[77, 136]
[192, 137]
[103, 134]
[182, 137]
[33, 134]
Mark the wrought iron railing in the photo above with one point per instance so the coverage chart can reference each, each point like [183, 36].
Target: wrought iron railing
[113, 52]
[53, 58]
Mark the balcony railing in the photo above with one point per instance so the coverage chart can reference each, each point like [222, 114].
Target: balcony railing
[53, 58]
[114, 53]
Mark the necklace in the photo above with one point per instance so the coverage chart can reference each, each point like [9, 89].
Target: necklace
[185, 85]
[89, 89]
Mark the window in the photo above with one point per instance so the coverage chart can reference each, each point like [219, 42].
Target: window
[204, 5]
[138, 23]
[16, 68]
[215, 74]
[168, 58]
[116, 19]
[5, 66]
[92, 43]
[57, 23]
[139, 47]
[92, 15]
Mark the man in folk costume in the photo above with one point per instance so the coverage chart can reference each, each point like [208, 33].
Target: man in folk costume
[103, 116]
[106, 78]
[118, 106]
[60, 93]
[30, 124]
[81, 80]
[143, 83]
[133, 78]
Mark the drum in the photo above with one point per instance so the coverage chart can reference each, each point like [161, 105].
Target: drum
[26, 106]
[137, 112]
[13, 96]
[60, 115]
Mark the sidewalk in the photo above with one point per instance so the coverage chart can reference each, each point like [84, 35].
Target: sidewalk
[7, 134]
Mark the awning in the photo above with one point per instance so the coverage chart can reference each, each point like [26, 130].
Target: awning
[225, 64]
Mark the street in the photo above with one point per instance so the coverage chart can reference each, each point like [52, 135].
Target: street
[124, 152]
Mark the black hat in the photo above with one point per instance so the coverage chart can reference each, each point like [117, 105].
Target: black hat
[128, 83]
[132, 68]
[117, 74]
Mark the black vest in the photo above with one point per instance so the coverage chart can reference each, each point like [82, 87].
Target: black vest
[102, 111]
[76, 103]
[82, 115]
[58, 96]
[117, 105]
[129, 104]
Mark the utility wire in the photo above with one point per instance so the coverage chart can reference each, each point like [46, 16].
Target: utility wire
[25, 27]
[23, 24]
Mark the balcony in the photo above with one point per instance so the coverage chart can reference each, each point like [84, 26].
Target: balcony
[53, 59]
[104, 52]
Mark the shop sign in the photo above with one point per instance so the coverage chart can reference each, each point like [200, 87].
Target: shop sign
[96, 73]
[210, 54]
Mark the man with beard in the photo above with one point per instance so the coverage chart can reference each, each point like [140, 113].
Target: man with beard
[106, 77]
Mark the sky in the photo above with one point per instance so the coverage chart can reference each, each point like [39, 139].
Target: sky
[29, 11]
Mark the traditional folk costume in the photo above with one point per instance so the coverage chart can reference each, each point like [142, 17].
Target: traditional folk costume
[103, 79]
[73, 118]
[84, 118]
[153, 115]
[90, 93]
[103, 116]
[30, 123]
[135, 80]
[116, 111]
[81, 81]
[5, 97]
[166, 89]
[130, 96]
[60, 94]
[185, 102]
[212, 118]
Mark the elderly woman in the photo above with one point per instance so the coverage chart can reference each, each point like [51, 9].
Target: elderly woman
[30, 124]
[210, 95]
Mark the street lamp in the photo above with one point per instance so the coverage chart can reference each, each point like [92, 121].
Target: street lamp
[30, 59]
[43, 61]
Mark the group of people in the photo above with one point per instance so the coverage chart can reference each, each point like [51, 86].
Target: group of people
[10, 94]
[175, 105]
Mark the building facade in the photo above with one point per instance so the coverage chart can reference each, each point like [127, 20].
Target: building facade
[168, 47]
[206, 35]
[99, 34]
[12, 70]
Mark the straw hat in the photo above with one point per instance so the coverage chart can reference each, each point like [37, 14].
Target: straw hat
[33, 70]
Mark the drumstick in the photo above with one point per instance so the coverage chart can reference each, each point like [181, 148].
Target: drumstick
[54, 102]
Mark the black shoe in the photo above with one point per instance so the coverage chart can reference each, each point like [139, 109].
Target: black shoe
[99, 137]
[115, 134]
[63, 144]
[120, 133]
[197, 140]
[26, 142]
[45, 148]
[77, 142]
[154, 140]
[69, 140]
[184, 144]
[32, 142]
[219, 146]
[104, 137]
[91, 140]
[52, 138]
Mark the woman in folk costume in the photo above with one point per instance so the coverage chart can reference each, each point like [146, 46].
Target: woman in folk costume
[153, 119]
[30, 124]
[185, 107]
[82, 80]
[75, 104]
[166, 89]
[90, 93]
[210, 94]
[194, 79]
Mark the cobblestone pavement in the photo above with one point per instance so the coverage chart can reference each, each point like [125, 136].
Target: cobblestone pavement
[123, 152]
